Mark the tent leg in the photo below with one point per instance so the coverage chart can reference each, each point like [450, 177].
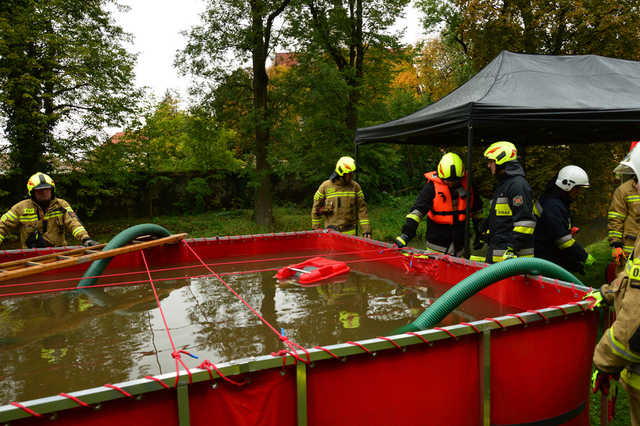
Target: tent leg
[355, 205]
[467, 249]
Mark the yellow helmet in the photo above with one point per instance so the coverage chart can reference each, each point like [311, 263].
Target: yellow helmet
[501, 152]
[40, 181]
[345, 165]
[450, 166]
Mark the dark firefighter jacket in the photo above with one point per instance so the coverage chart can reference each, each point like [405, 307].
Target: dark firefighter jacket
[553, 238]
[440, 236]
[511, 221]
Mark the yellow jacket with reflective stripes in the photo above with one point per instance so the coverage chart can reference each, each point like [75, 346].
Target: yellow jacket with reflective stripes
[620, 344]
[27, 216]
[340, 205]
[624, 216]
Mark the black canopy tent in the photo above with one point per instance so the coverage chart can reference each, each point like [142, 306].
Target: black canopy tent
[527, 99]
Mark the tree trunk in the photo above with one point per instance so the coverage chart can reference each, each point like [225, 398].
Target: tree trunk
[263, 200]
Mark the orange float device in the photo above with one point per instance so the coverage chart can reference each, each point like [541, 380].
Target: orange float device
[313, 270]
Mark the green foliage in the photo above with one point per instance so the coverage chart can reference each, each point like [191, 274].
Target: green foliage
[63, 75]
[199, 192]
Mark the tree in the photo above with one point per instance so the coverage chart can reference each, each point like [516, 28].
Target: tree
[344, 31]
[240, 29]
[63, 75]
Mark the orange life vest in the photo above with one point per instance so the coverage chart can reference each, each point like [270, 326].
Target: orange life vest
[443, 210]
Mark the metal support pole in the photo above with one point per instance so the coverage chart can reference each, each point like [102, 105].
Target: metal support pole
[355, 205]
[183, 405]
[301, 385]
[485, 378]
[467, 249]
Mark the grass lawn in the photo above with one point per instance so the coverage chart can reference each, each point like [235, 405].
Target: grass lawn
[387, 220]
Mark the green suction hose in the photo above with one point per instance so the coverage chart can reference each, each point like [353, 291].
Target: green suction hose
[123, 238]
[477, 281]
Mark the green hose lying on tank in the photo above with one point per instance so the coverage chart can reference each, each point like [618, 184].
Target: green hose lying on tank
[481, 279]
[123, 238]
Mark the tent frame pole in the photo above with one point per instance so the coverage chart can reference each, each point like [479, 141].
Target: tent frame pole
[467, 250]
[355, 205]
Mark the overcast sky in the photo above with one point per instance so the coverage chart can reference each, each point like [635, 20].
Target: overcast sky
[156, 27]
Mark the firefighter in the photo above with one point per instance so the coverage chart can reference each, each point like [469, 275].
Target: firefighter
[443, 199]
[617, 354]
[553, 236]
[623, 218]
[42, 218]
[339, 201]
[509, 228]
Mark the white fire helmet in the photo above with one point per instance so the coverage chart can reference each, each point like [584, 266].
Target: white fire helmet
[631, 163]
[571, 176]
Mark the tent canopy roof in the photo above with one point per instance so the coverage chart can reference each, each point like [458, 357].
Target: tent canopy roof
[529, 99]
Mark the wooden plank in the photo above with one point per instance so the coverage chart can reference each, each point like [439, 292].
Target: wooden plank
[32, 270]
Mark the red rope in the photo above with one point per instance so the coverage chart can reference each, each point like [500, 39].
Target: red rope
[327, 351]
[25, 409]
[564, 312]
[496, 321]
[472, 326]
[291, 345]
[519, 317]
[579, 305]
[359, 345]
[534, 311]
[446, 331]
[175, 354]
[122, 391]
[155, 379]
[208, 365]
[74, 399]
[390, 341]
[424, 339]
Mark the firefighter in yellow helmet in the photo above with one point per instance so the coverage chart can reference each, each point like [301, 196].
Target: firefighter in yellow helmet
[509, 228]
[339, 202]
[443, 199]
[42, 219]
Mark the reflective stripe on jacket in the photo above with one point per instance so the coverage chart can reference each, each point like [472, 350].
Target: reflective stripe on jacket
[442, 210]
[339, 206]
[28, 217]
[511, 221]
[623, 218]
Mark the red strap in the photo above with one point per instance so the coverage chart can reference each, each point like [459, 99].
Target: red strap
[155, 379]
[446, 331]
[564, 312]
[472, 326]
[519, 317]
[496, 321]
[327, 351]
[535, 311]
[25, 409]
[74, 399]
[359, 345]
[122, 391]
[390, 341]
[424, 339]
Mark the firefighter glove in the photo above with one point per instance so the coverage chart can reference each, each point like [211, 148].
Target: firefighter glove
[601, 381]
[509, 254]
[401, 241]
[595, 296]
[88, 242]
[618, 255]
